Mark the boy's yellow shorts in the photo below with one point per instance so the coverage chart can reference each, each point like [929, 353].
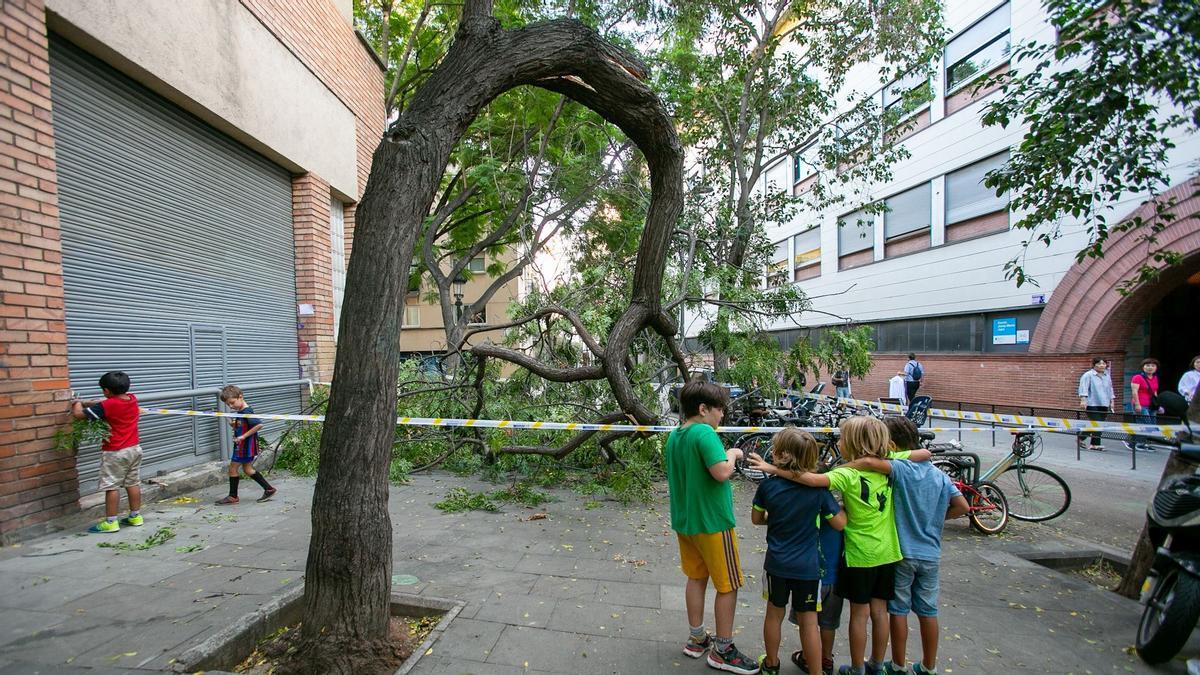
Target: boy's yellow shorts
[714, 556]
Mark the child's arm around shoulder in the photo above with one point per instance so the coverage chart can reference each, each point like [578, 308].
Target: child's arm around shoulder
[808, 478]
[872, 464]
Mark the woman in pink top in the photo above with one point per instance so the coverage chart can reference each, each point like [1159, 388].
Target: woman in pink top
[1145, 391]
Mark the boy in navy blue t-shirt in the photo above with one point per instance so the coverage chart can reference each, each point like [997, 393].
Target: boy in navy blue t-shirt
[794, 564]
[829, 618]
[245, 446]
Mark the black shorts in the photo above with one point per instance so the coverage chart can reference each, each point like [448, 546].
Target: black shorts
[830, 615]
[805, 593]
[860, 585]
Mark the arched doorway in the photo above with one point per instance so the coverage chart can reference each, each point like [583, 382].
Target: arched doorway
[1087, 314]
[1174, 331]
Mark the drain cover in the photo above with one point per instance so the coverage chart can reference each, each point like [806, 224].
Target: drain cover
[404, 580]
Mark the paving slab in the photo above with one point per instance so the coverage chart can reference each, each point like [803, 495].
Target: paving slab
[586, 590]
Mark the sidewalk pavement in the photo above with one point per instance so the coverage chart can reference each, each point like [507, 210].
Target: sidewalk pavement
[593, 588]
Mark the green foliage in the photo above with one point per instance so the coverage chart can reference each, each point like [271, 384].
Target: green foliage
[1101, 102]
[461, 499]
[80, 433]
[161, 536]
[521, 493]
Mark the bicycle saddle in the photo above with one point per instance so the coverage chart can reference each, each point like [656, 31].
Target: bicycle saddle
[926, 435]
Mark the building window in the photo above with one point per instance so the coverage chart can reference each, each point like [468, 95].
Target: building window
[979, 49]
[337, 247]
[412, 316]
[414, 278]
[856, 239]
[973, 210]
[478, 318]
[778, 267]
[775, 178]
[907, 220]
[906, 96]
[476, 265]
[804, 163]
[806, 261]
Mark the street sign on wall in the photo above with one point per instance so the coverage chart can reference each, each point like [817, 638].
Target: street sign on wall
[1004, 331]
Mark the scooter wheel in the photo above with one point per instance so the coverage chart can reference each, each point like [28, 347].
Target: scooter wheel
[1170, 615]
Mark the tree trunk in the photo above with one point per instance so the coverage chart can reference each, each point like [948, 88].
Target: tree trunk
[348, 572]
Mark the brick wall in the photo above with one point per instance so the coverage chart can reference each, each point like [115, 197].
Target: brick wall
[1043, 380]
[37, 483]
[314, 276]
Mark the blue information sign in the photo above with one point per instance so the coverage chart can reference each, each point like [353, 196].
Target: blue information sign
[1004, 331]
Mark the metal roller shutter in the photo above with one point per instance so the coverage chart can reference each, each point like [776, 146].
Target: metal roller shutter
[178, 259]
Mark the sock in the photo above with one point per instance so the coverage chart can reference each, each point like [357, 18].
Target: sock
[696, 633]
[874, 665]
[111, 519]
[723, 644]
[262, 482]
[134, 514]
[233, 481]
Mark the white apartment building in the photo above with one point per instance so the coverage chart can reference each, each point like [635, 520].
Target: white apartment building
[928, 273]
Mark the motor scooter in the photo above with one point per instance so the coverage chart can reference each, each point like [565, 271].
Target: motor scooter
[1171, 592]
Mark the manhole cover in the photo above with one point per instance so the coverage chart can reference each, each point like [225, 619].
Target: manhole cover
[404, 580]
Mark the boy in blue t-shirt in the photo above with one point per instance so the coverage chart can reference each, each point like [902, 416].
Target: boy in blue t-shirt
[925, 499]
[795, 563]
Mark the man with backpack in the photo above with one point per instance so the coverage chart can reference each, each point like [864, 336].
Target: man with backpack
[913, 373]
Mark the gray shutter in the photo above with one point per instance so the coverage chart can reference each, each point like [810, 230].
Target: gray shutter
[178, 259]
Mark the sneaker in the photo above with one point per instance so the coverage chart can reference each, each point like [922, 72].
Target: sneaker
[919, 669]
[873, 670]
[765, 669]
[696, 648]
[267, 494]
[1096, 448]
[731, 661]
[228, 499]
[133, 521]
[798, 659]
[848, 670]
[105, 526]
[890, 668]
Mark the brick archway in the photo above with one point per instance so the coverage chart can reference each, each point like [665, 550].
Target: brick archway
[1086, 314]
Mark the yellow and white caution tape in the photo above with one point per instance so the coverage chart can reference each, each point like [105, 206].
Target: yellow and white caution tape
[1027, 421]
[1077, 425]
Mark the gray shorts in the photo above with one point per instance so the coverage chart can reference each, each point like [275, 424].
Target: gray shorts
[120, 468]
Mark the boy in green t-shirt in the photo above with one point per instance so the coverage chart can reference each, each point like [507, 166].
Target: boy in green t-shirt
[867, 575]
[698, 472]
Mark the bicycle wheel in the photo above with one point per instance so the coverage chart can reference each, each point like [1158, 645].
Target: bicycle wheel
[989, 508]
[1034, 493]
[949, 467]
[759, 444]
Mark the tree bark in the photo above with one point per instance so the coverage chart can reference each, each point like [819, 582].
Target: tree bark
[348, 571]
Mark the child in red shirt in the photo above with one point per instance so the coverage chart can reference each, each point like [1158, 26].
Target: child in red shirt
[120, 453]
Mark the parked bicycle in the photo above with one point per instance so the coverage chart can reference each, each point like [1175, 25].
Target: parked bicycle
[1034, 493]
[989, 508]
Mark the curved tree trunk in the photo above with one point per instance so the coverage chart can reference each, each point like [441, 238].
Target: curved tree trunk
[348, 571]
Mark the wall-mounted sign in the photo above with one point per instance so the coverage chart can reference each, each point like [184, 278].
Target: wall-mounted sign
[305, 309]
[1022, 337]
[1004, 331]
[1037, 299]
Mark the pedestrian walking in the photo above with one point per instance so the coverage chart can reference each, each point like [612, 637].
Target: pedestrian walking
[121, 451]
[1096, 397]
[245, 446]
[1190, 380]
[1144, 386]
[841, 382]
[914, 372]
